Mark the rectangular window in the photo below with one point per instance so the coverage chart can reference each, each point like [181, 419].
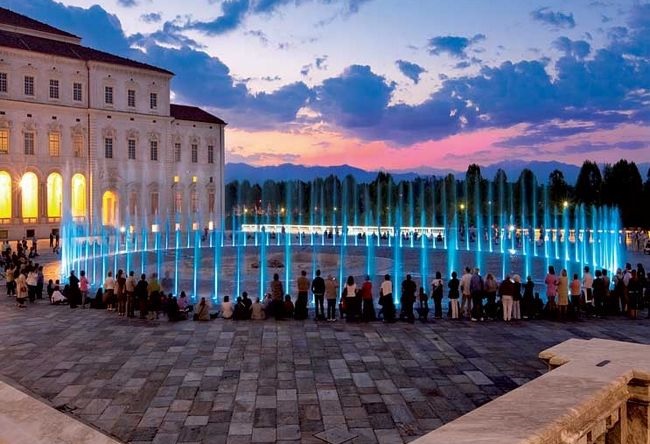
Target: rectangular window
[194, 202]
[29, 144]
[54, 144]
[3, 82]
[153, 150]
[177, 152]
[195, 153]
[108, 148]
[108, 95]
[211, 200]
[4, 141]
[130, 98]
[210, 154]
[29, 85]
[131, 144]
[154, 202]
[54, 89]
[78, 145]
[178, 202]
[133, 203]
[77, 95]
[153, 101]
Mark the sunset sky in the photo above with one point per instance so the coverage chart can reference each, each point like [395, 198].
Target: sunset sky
[393, 84]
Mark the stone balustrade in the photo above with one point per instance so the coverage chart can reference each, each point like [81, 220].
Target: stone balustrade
[596, 392]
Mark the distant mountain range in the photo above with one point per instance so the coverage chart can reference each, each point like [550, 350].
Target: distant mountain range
[289, 171]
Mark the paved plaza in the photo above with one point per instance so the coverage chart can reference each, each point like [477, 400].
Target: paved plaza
[268, 381]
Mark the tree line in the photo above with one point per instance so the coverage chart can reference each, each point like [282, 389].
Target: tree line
[428, 200]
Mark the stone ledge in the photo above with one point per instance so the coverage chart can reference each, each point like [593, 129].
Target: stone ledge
[581, 397]
[27, 420]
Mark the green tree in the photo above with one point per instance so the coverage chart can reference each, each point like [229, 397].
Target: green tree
[589, 184]
[558, 188]
[622, 186]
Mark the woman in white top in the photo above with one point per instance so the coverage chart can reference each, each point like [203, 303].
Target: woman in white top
[257, 311]
[227, 309]
[386, 299]
[350, 293]
[21, 290]
[109, 290]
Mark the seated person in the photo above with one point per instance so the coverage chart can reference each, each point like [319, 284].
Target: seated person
[240, 311]
[184, 303]
[288, 307]
[257, 311]
[227, 309]
[50, 288]
[203, 312]
[58, 298]
[173, 312]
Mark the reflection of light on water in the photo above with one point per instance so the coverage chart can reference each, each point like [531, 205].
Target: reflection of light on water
[512, 251]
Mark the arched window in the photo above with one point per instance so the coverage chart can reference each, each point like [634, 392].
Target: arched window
[54, 195]
[109, 208]
[29, 195]
[5, 195]
[78, 184]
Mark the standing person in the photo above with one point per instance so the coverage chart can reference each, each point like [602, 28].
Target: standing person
[633, 294]
[40, 282]
[120, 286]
[574, 288]
[476, 286]
[318, 290]
[516, 297]
[436, 295]
[130, 294]
[154, 297]
[142, 294]
[408, 299]
[51, 240]
[386, 300]
[74, 296]
[84, 286]
[277, 293]
[563, 294]
[32, 281]
[303, 293]
[454, 294]
[506, 290]
[528, 300]
[10, 275]
[466, 301]
[606, 287]
[167, 283]
[350, 295]
[109, 288]
[491, 288]
[551, 282]
[21, 290]
[598, 289]
[368, 312]
[588, 290]
[331, 291]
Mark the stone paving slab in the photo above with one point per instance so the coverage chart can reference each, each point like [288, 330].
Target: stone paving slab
[226, 381]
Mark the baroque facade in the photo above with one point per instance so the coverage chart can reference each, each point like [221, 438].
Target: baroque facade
[92, 138]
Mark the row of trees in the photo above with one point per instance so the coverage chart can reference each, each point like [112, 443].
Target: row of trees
[427, 200]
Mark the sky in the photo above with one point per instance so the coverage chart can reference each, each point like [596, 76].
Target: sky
[393, 84]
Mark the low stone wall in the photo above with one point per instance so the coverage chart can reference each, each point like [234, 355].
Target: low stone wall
[597, 391]
[27, 420]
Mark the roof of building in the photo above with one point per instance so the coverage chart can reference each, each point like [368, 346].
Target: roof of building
[11, 18]
[65, 49]
[194, 114]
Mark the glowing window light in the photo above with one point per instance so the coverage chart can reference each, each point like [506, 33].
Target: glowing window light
[109, 208]
[5, 195]
[29, 194]
[78, 195]
[54, 195]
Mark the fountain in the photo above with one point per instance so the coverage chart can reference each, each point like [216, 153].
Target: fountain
[346, 228]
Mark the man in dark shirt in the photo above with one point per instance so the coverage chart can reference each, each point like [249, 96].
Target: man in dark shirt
[318, 289]
[408, 299]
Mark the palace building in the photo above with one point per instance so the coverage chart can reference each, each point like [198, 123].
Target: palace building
[92, 138]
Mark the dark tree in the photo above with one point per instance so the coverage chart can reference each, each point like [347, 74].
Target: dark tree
[622, 186]
[589, 184]
[558, 188]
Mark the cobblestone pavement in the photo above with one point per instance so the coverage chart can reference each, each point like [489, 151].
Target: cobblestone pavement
[268, 381]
